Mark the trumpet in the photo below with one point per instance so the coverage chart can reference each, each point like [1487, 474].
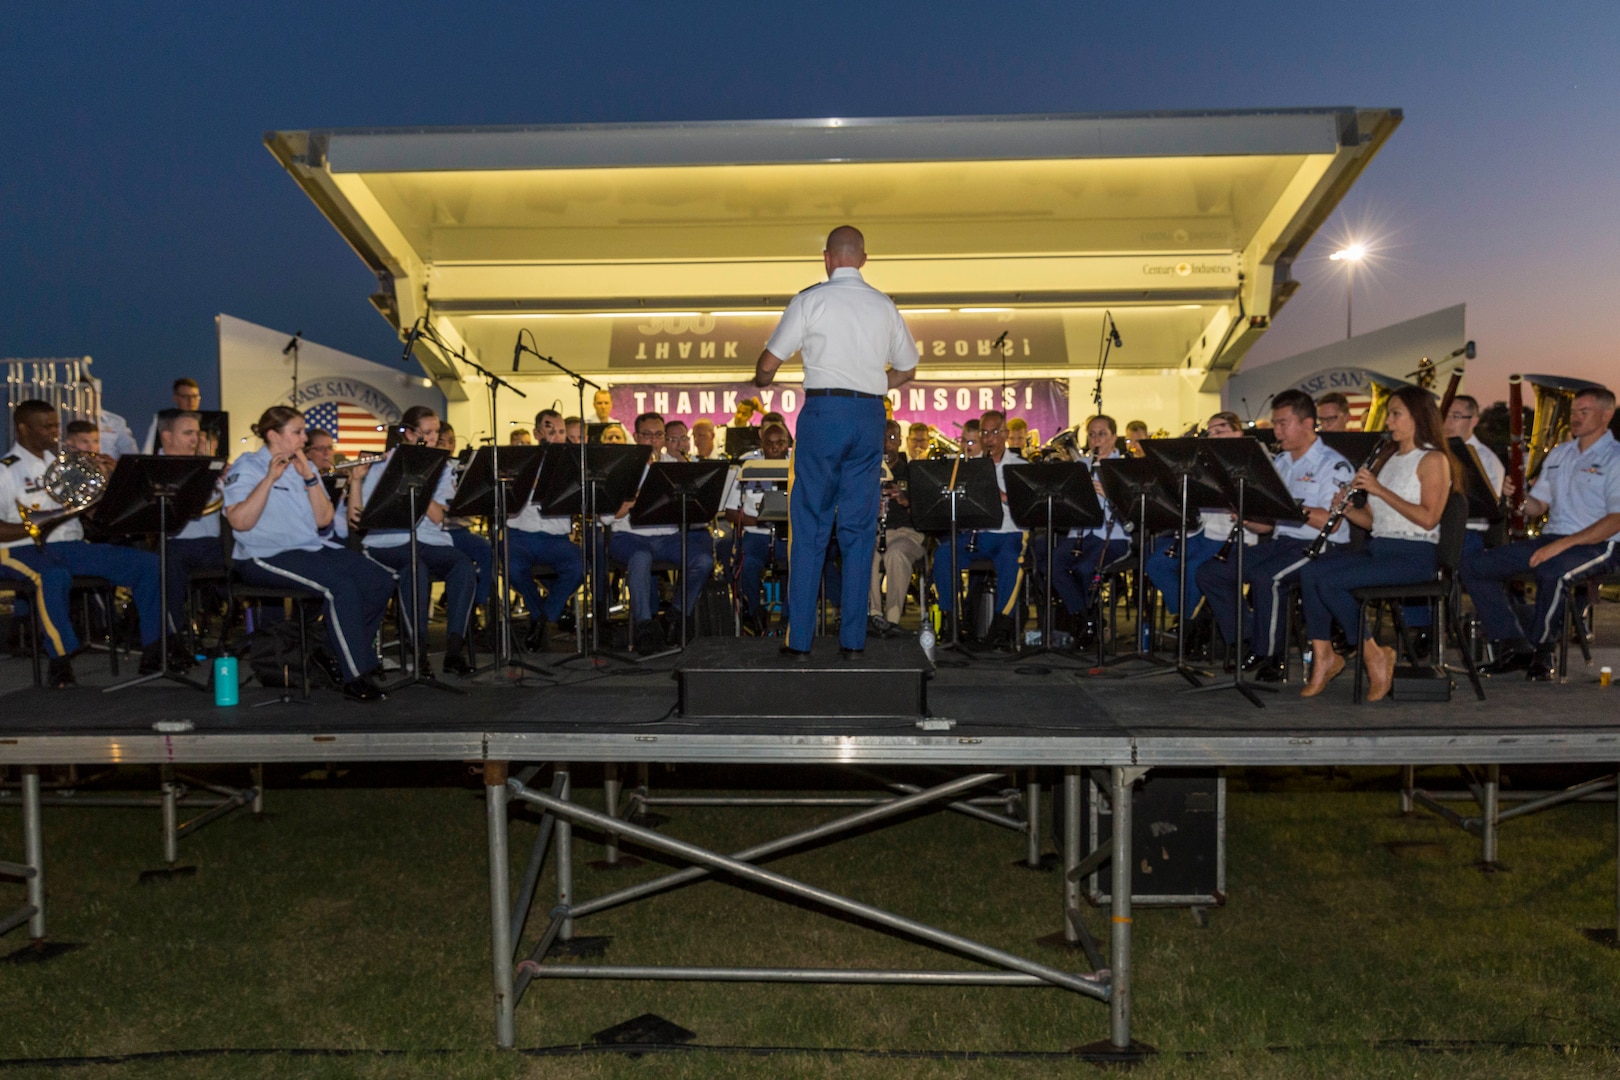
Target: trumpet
[362, 460]
[74, 480]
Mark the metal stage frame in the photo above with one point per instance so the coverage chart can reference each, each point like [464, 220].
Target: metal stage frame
[981, 756]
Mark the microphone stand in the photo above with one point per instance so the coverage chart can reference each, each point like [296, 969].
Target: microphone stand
[587, 562]
[293, 346]
[1110, 338]
[504, 657]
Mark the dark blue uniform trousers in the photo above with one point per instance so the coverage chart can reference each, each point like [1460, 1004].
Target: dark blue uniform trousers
[1485, 576]
[1076, 564]
[1163, 569]
[477, 549]
[638, 553]
[837, 457]
[1269, 569]
[756, 553]
[52, 568]
[185, 556]
[531, 549]
[1005, 550]
[439, 562]
[356, 591]
[1325, 584]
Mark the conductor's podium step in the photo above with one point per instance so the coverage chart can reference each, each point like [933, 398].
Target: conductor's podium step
[748, 677]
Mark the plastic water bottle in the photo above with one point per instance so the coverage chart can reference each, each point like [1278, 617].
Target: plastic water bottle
[225, 685]
[926, 639]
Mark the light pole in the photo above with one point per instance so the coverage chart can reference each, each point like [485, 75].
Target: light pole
[1350, 256]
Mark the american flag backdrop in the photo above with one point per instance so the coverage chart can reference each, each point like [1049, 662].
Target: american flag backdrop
[354, 429]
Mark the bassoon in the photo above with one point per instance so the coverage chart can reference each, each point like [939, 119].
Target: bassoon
[1514, 507]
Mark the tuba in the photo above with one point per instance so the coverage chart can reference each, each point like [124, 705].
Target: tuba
[1382, 388]
[75, 480]
[1555, 399]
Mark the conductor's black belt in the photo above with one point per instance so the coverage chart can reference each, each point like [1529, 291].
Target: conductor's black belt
[838, 391]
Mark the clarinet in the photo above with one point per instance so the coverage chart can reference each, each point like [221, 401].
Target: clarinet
[1231, 538]
[1346, 497]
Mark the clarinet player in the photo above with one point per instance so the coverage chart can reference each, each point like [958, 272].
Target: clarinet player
[1406, 499]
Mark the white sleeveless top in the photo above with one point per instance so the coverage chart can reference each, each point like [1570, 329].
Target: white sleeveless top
[1400, 475]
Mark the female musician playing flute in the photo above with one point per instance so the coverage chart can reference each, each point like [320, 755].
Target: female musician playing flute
[1406, 498]
[277, 506]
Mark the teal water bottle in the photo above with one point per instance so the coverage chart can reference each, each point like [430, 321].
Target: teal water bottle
[225, 688]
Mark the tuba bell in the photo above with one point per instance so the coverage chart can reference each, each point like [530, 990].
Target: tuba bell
[75, 481]
[1382, 388]
[1555, 399]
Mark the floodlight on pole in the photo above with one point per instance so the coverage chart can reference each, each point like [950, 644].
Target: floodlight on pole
[1350, 256]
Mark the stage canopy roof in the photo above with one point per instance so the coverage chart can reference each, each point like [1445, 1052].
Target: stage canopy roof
[1184, 225]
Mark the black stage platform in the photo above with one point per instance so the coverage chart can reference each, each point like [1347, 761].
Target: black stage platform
[988, 713]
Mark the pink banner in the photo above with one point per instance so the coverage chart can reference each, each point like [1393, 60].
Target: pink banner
[1043, 403]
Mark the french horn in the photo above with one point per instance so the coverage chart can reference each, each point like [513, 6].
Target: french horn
[75, 481]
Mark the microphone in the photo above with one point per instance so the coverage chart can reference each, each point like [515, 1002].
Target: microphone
[1000, 341]
[410, 341]
[292, 343]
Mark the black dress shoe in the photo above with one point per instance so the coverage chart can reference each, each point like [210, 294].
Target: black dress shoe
[852, 654]
[535, 639]
[1508, 659]
[327, 663]
[59, 674]
[800, 655]
[1269, 670]
[1544, 665]
[648, 637]
[878, 626]
[151, 660]
[1422, 645]
[363, 689]
[455, 656]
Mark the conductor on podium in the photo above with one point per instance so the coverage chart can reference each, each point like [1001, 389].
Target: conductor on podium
[855, 347]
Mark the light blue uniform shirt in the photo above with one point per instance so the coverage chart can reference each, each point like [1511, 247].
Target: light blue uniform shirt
[1579, 489]
[428, 531]
[288, 521]
[1316, 478]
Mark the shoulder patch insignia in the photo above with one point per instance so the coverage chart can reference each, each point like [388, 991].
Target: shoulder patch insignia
[9, 460]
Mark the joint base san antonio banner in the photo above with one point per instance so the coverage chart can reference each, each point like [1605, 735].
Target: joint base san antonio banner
[1042, 403]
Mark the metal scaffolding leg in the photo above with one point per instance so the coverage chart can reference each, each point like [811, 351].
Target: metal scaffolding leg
[1489, 808]
[34, 851]
[258, 790]
[171, 817]
[1032, 820]
[500, 901]
[1071, 854]
[611, 787]
[565, 853]
[1408, 782]
[1119, 1001]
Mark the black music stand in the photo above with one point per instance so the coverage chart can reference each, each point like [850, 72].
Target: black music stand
[1356, 446]
[154, 493]
[1054, 496]
[678, 493]
[1253, 490]
[1184, 469]
[609, 475]
[952, 494]
[1483, 501]
[399, 501]
[741, 440]
[480, 495]
[1133, 483]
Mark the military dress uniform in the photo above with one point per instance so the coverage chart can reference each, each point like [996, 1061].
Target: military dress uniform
[1579, 488]
[1315, 479]
[1003, 546]
[848, 333]
[51, 569]
[285, 549]
[1088, 548]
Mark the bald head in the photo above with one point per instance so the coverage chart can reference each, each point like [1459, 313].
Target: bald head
[845, 247]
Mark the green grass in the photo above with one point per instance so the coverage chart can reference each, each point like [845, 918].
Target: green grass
[355, 918]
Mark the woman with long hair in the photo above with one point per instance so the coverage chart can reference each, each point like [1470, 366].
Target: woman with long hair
[277, 506]
[1406, 499]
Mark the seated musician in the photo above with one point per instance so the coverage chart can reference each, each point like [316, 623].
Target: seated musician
[195, 545]
[276, 505]
[762, 544]
[51, 566]
[1018, 436]
[1314, 474]
[85, 437]
[1579, 491]
[1215, 528]
[1135, 432]
[639, 546]
[1461, 420]
[1003, 545]
[1406, 499]
[703, 447]
[187, 398]
[437, 556]
[972, 446]
[918, 440]
[538, 539]
[1333, 412]
[1074, 573]
[459, 530]
[678, 440]
[900, 546]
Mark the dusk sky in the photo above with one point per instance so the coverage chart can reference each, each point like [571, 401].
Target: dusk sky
[139, 200]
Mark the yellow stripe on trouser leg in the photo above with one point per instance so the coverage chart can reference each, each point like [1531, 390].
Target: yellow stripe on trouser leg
[33, 575]
[1018, 582]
